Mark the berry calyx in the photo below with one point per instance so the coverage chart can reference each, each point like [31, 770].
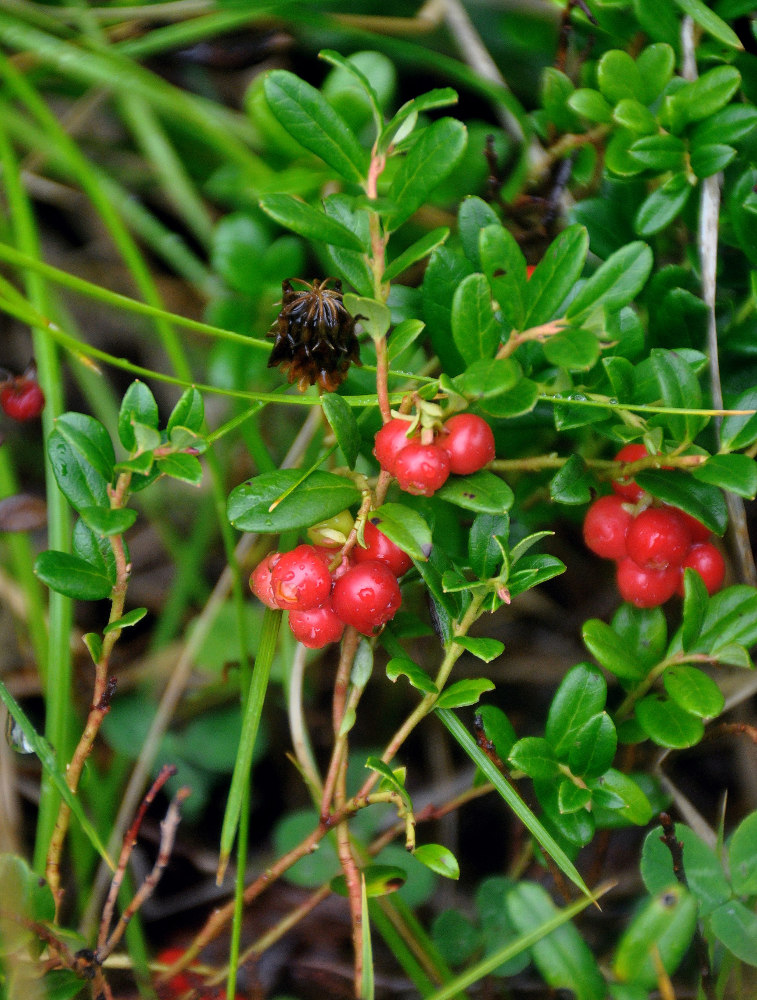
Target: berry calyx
[367, 596]
[708, 562]
[260, 580]
[316, 628]
[22, 398]
[606, 525]
[390, 441]
[657, 538]
[422, 469]
[300, 580]
[628, 488]
[383, 549]
[469, 442]
[646, 588]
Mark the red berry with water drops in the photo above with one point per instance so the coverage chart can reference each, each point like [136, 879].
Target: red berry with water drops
[606, 525]
[646, 588]
[378, 546]
[469, 442]
[657, 538]
[627, 488]
[708, 562]
[367, 596]
[318, 627]
[390, 441]
[422, 469]
[22, 398]
[260, 580]
[300, 580]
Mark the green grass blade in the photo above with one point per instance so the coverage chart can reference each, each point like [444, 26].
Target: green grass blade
[548, 844]
[368, 989]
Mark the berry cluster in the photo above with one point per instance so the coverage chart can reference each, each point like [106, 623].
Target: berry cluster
[651, 544]
[464, 445]
[321, 598]
[21, 397]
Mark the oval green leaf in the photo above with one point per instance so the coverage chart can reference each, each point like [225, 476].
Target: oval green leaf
[253, 506]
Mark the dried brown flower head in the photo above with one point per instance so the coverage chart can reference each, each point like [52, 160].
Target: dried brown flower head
[314, 334]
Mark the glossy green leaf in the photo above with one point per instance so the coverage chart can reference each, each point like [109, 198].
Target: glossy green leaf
[534, 756]
[405, 667]
[189, 411]
[403, 336]
[664, 927]
[555, 275]
[440, 98]
[351, 265]
[522, 398]
[593, 748]
[590, 104]
[737, 473]
[432, 157]
[108, 521]
[573, 349]
[138, 405]
[655, 65]
[632, 114]
[482, 492]
[726, 126]
[731, 617]
[668, 724]
[486, 379]
[82, 459]
[455, 936]
[482, 648]
[577, 828]
[617, 281]
[611, 650]
[255, 506]
[708, 160]
[618, 76]
[573, 483]
[484, 551]
[475, 329]
[618, 159]
[504, 265]
[405, 527]
[73, 576]
[309, 118]
[439, 859]
[498, 729]
[701, 866]
[740, 431]
[581, 695]
[185, 468]
[742, 856]
[709, 93]
[735, 925]
[694, 691]
[679, 387]
[572, 797]
[304, 220]
[476, 215]
[659, 152]
[389, 779]
[446, 269]
[344, 425]
[466, 692]
[533, 570]
[694, 606]
[130, 618]
[416, 251]
[563, 958]
[618, 791]
[663, 205]
[704, 502]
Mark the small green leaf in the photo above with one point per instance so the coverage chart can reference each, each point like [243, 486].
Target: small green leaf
[485, 379]
[498, 729]
[668, 724]
[694, 607]
[73, 576]
[82, 459]
[485, 649]
[693, 691]
[619, 792]
[311, 120]
[731, 617]
[704, 871]
[661, 931]
[504, 265]
[662, 205]
[374, 315]
[185, 468]
[405, 667]
[380, 880]
[482, 492]
[189, 412]
[253, 505]
[555, 275]
[742, 856]
[617, 281]
[590, 104]
[130, 618]
[94, 645]
[659, 152]
[391, 781]
[740, 431]
[351, 265]
[726, 126]
[463, 693]
[445, 270]
[439, 859]
[476, 332]
[301, 218]
[634, 115]
[403, 336]
[708, 160]
[735, 925]
[533, 756]
[108, 521]
[573, 483]
[342, 422]
[137, 406]
[593, 748]
[440, 98]
[484, 551]
[704, 502]
[432, 157]
[612, 652]
[476, 215]
[581, 695]
[573, 349]
[618, 76]
[416, 251]
[405, 527]
[655, 65]
[709, 93]
[572, 797]
[737, 473]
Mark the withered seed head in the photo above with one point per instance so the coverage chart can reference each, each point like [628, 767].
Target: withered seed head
[314, 334]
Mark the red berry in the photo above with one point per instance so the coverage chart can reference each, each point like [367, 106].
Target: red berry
[390, 441]
[627, 488]
[379, 547]
[260, 580]
[657, 538]
[181, 982]
[530, 268]
[367, 596]
[22, 398]
[605, 526]
[646, 588]
[708, 562]
[300, 580]
[469, 442]
[697, 530]
[317, 627]
[422, 468]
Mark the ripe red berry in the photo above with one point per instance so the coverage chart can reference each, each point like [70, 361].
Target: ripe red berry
[300, 580]
[422, 468]
[606, 525]
[657, 538]
[260, 580]
[379, 547]
[697, 530]
[367, 596]
[390, 441]
[22, 398]
[316, 628]
[184, 982]
[708, 562]
[646, 588]
[469, 442]
[627, 488]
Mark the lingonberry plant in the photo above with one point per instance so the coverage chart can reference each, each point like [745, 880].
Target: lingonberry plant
[438, 348]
